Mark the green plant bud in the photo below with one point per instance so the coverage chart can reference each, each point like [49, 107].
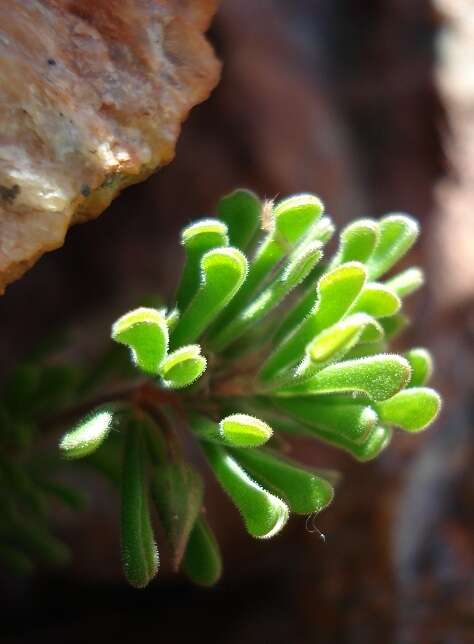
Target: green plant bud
[411, 409]
[379, 377]
[240, 210]
[223, 271]
[183, 367]
[89, 433]
[295, 215]
[302, 489]
[336, 292]
[421, 365]
[202, 561]
[297, 269]
[334, 342]
[377, 300]
[337, 415]
[263, 513]
[197, 239]
[177, 489]
[242, 430]
[406, 282]
[357, 242]
[398, 233]
[139, 552]
[236, 430]
[146, 333]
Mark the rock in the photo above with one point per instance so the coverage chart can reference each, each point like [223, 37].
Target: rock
[92, 96]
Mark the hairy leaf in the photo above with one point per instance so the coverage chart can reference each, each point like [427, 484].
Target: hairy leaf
[139, 552]
[302, 489]
[406, 282]
[263, 513]
[198, 238]
[183, 367]
[202, 560]
[377, 300]
[177, 489]
[379, 377]
[85, 437]
[240, 210]
[411, 409]
[236, 430]
[357, 242]
[335, 414]
[146, 333]
[421, 365]
[398, 233]
[223, 273]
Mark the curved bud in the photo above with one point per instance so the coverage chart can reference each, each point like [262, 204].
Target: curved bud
[145, 332]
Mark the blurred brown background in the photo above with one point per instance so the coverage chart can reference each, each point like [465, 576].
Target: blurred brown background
[369, 104]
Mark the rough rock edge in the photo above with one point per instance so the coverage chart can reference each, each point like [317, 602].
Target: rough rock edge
[86, 208]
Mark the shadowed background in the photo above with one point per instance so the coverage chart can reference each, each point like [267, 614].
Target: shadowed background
[355, 102]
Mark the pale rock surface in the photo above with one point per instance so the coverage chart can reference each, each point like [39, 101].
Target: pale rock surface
[92, 96]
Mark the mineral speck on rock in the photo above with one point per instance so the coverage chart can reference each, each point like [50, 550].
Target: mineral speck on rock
[92, 96]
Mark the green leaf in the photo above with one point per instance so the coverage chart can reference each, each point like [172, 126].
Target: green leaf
[242, 430]
[139, 552]
[302, 489]
[411, 409]
[336, 292]
[183, 367]
[295, 215]
[334, 414]
[379, 377]
[236, 430]
[371, 447]
[398, 233]
[263, 513]
[223, 273]
[177, 489]
[146, 333]
[357, 242]
[297, 269]
[406, 282]
[378, 440]
[240, 210]
[335, 341]
[85, 437]
[377, 300]
[202, 561]
[197, 239]
[421, 365]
